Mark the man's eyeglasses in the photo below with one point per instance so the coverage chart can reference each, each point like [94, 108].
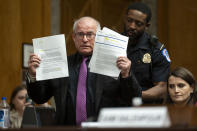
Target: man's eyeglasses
[89, 36]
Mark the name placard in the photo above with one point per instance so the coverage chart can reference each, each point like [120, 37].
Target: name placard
[138, 117]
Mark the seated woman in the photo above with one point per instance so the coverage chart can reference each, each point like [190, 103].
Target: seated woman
[17, 106]
[181, 88]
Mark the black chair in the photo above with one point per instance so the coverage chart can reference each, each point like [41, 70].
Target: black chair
[38, 117]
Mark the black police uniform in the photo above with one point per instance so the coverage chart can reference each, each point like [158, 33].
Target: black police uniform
[150, 62]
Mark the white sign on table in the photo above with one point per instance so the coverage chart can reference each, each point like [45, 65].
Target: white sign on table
[135, 117]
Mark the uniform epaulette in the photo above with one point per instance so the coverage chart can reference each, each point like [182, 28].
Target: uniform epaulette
[155, 42]
[162, 46]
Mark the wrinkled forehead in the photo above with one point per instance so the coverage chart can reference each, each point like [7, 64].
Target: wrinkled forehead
[87, 25]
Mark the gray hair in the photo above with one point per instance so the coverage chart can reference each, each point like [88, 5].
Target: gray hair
[77, 21]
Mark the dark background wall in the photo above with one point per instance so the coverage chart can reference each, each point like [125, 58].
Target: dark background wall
[23, 20]
[20, 21]
[108, 12]
[177, 30]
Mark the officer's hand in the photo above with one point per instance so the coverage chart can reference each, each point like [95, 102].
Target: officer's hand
[33, 63]
[124, 64]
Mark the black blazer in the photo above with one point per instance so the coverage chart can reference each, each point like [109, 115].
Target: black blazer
[110, 92]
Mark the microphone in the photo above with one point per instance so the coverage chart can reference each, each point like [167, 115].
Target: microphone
[32, 105]
[28, 100]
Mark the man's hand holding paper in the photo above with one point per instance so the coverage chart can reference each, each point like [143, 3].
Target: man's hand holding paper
[124, 64]
[33, 63]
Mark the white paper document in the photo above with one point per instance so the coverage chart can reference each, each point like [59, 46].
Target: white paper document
[52, 51]
[108, 46]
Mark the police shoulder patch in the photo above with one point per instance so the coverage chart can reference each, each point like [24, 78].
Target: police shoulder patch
[165, 54]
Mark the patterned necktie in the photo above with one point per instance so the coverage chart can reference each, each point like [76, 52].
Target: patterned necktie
[81, 114]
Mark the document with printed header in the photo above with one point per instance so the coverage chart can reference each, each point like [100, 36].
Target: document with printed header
[52, 51]
[108, 46]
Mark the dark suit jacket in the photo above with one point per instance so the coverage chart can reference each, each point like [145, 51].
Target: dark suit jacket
[110, 92]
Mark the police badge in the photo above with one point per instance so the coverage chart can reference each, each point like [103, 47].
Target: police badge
[146, 58]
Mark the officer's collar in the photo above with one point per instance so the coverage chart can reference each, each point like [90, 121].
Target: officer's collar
[142, 42]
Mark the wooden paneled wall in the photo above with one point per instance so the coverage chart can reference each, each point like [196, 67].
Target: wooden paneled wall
[20, 21]
[177, 30]
[176, 24]
[108, 12]
[23, 20]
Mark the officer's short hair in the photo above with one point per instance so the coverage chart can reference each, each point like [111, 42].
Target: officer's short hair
[142, 8]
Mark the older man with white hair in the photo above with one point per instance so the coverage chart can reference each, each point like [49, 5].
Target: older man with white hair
[81, 95]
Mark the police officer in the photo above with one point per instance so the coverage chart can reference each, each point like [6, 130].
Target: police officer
[150, 60]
